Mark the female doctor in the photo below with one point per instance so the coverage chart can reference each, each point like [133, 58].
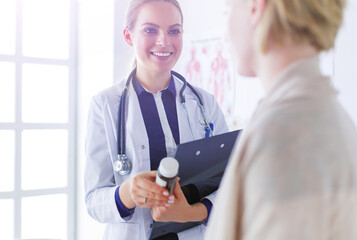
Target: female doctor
[140, 120]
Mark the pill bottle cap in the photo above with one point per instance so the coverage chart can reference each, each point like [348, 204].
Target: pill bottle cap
[168, 167]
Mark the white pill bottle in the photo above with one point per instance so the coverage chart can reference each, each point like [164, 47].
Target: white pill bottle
[167, 173]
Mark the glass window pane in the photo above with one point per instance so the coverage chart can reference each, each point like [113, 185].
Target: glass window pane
[7, 219]
[44, 159]
[7, 26]
[46, 28]
[7, 163]
[44, 217]
[45, 93]
[7, 91]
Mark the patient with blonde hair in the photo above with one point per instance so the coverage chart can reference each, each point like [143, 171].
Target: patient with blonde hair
[293, 172]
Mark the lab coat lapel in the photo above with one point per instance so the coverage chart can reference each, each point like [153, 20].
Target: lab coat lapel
[136, 131]
[191, 105]
[111, 110]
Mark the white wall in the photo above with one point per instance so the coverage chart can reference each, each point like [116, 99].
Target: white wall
[345, 61]
[95, 61]
[123, 53]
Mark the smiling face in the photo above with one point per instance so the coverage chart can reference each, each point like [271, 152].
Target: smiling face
[156, 36]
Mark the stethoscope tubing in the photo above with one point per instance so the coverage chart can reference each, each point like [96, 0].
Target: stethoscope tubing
[121, 115]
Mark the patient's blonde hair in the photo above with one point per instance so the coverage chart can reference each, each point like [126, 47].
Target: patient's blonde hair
[313, 21]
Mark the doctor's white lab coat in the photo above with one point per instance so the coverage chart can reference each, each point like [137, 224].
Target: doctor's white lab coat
[102, 149]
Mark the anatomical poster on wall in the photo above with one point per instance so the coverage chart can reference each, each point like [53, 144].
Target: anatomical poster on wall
[207, 65]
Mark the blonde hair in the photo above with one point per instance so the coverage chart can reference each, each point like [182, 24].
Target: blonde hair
[313, 21]
[134, 8]
[133, 11]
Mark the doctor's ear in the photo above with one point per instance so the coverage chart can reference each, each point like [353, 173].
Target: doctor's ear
[127, 36]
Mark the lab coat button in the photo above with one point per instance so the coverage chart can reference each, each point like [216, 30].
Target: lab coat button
[151, 225]
[142, 146]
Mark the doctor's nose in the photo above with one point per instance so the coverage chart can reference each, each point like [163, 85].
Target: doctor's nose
[162, 40]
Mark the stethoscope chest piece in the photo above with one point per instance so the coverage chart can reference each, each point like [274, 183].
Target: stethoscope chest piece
[122, 165]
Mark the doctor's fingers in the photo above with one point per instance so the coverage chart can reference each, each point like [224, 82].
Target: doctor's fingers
[146, 176]
[148, 188]
[146, 198]
[145, 202]
[158, 194]
[143, 187]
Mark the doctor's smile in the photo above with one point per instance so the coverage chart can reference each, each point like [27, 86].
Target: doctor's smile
[161, 56]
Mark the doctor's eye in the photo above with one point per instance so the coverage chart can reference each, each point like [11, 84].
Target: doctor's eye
[174, 32]
[150, 30]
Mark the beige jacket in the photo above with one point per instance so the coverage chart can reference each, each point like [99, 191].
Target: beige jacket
[293, 173]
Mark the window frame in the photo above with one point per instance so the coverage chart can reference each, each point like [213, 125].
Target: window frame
[18, 126]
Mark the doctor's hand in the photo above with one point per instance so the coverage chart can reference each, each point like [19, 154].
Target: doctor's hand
[180, 210]
[141, 190]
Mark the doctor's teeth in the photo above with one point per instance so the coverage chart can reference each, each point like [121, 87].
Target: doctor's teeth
[161, 54]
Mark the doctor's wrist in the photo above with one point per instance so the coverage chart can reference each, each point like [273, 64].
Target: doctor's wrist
[198, 213]
[125, 196]
[123, 211]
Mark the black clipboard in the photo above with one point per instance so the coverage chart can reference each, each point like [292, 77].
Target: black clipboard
[204, 158]
[202, 163]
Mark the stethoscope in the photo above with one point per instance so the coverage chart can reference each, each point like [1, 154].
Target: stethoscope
[123, 165]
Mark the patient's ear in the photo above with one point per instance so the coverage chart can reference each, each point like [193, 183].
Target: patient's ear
[257, 11]
[127, 36]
